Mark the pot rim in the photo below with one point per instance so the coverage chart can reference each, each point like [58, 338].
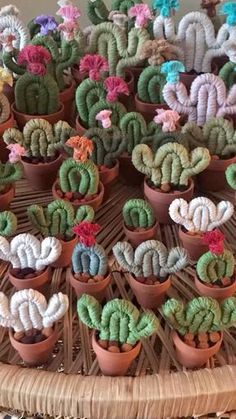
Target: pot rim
[150, 104]
[34, 345]
[199, 236]
[161, 285]
[190, 186]
[59, 157]
[175, 336]
[115, 354]
[218, 289]
[155, 225]
[45, 272]
[95, 284]
[100, 191]
[61, 109]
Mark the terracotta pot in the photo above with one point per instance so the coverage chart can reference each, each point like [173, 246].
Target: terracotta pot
[95, 202]
[42, 175]
[149, 296]
[193, 244]
[97, 290]
[79, 127]
[138, 237]
[4, 152]
[9, 92]
[213, 177]
[148, 110]
[77, 75]
[37, 353]
[22, 118]
[64, 259]
[161, 201]
[114, 364]
[6, 198]
[193, 357]
[67, 98]
[219, 294]
[107, 177]
[128, 174]
[36, 283]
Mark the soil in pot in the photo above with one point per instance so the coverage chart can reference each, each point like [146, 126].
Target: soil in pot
[34, 347]
[67, 98]
[77, 199]
[85, 284]
[22, 118]
[136, 236]
[193, 243]
[220, 290]
[114, 359]
[67, 245]
[149, 292]
[107, 177]
[6, 197]
[41, 172]
[128, 174]
[28, 278]
[160, 199]
[148, 110]
[4, 152]
[194, 351]
[213, 177]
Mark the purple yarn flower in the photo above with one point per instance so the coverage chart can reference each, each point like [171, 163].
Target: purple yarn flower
[47, 24]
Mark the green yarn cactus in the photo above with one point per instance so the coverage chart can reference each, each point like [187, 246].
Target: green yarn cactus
[228, 74]
[81, 177]
[171, 164]
[97, 11]
[58, 218]
[213, 267]
[150, 85]
[9, 173]
[9, 59]
[91, 260]
[8, 223]
[118, 320]
[137, 213]
[156, 138]
[134, 128]
[231, 175]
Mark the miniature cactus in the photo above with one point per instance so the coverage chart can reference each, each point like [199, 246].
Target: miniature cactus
[151, 258]
[155, 138]
[9, 173]
[118, 320]
[150, 85]
[215, 267]
[171, 164]
[58, 218]
[134, 128]
[5, 109]
[10, 23]
[26, 251]
[8, 223]
[231, 176]
[79, 177]
[200, 214]
[163, 26]
[90, 260]
[137, 213]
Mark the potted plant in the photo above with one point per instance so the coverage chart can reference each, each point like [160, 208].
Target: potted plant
[32, 323]
[149, 267]
[9, 174]
[57, 220]
[139, 222]
[198, 327]
[30, 259]
[6, 118]
[8, 223]
[231, 176]
[90, 271]
[219, 137]
[42, 143]
[227, 72]
[168, 174]
[118, 329]
[196, 218]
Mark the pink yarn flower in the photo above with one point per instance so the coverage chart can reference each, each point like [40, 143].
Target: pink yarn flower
[68, 29]
[36, 58]
[86, 232]
[69, 13]
[141, 13]
[215, 241]
[114, 87]
[105, 118]
[93, 65]
[169, 119]
[16, 152]
[6, 40]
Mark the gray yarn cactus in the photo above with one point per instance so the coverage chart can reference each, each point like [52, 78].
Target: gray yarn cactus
[90, 260]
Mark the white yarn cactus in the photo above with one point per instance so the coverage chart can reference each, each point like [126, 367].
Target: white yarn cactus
[11, 24]
[26, 251]
[28, 309]
[200, 214]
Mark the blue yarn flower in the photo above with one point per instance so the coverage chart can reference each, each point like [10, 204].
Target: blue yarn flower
[165, 6]
[172, 70]
[47, 24]
[230, 10]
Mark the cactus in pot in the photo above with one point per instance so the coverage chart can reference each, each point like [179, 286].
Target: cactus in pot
[119, 326]
[9, 174]
[8, 223]
[231, 176]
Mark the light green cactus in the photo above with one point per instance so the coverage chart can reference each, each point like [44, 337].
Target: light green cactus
[212, 267]
[137, 213]
[82, 177]
[156, 138]
[8, 223]
[9, 174]
[231, 175]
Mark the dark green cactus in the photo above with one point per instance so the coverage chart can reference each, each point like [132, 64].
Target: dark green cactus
[10, 173]
[134, 128]
[156, 138]
[123, 6]
[137, 213]
[150, 85]
[10, 62]
[97, 11]
[79, 177]
[228, 74]
[8, 223]
[231, 175]
[212, 267]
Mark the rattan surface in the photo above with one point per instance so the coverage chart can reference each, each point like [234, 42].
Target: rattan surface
[157, 386]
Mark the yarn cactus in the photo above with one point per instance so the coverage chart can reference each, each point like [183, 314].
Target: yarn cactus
[164, 26]
[118, 320]
[82, 177]
[9, 173]
[97, 11]
[200, 214]
[137, 213]
[156, 138]
[171, 164]
[228, 74]
[58, 218]
[217, 102]
[150, 258]
[10, 24]
[215, 267]
[91, 260]
[150, 85]
[134, 128]
[5, 109]
[8, 223]
[231, 176]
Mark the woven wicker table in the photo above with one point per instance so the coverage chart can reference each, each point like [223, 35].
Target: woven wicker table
[157, 386]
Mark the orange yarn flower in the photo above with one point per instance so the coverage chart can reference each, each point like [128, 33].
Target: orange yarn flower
[83, 147]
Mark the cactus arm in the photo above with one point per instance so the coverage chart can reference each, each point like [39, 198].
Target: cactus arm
[138, 213]
[203, 315]
[124, 5]
[13, 136]
[117, 108]
[147, 325]
[174, 312]
[177, 259]
[91, 260]
[143, 161]
[231, 175]
[5, 253]
[50, 44]
[84, 213]
[50, 250]
[10, 173]
[6, 318]
[224, 211]
[228, 74]
[89, 311]
[8, 223]
[228, 309]
[198, 161]
[97, 11]
[164, 27]
[38, 219]
[87, 94]
[211, 268]
[133, 127]
[176, 97]
[10, 61]
[156, 138]
[89, 177]
[69, 56]
[57, 307]
[179, 213]
[5, 109]
[150, 85]
[124, 255]
[108, 144]
[192, 136]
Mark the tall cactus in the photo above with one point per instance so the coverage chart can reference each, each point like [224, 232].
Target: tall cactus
[9, 173]
[8, 223]
[79, 177]
[137, 213]
[215, 267]
[231, 176]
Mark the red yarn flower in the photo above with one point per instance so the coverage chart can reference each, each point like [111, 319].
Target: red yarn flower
[35, 58]
[86, 232]
[215, 241]
[115, 86]
[93, 65]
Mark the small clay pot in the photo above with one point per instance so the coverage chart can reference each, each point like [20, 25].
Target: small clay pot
[107, 177]
[161, 201]
[64, 259]
[213, 177]
[22, 118]
[37, 283]
[95, 289]
[193, 357]
[149, 296]
[41, 176]
[6, 198]
[138, 237]
[148, 110]
[4, 152]
[114, 364]
[219, 293]
[95, 203]
[79, 127]
[193, 244]
[67, 98]
[37, 353]
[129, 175]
